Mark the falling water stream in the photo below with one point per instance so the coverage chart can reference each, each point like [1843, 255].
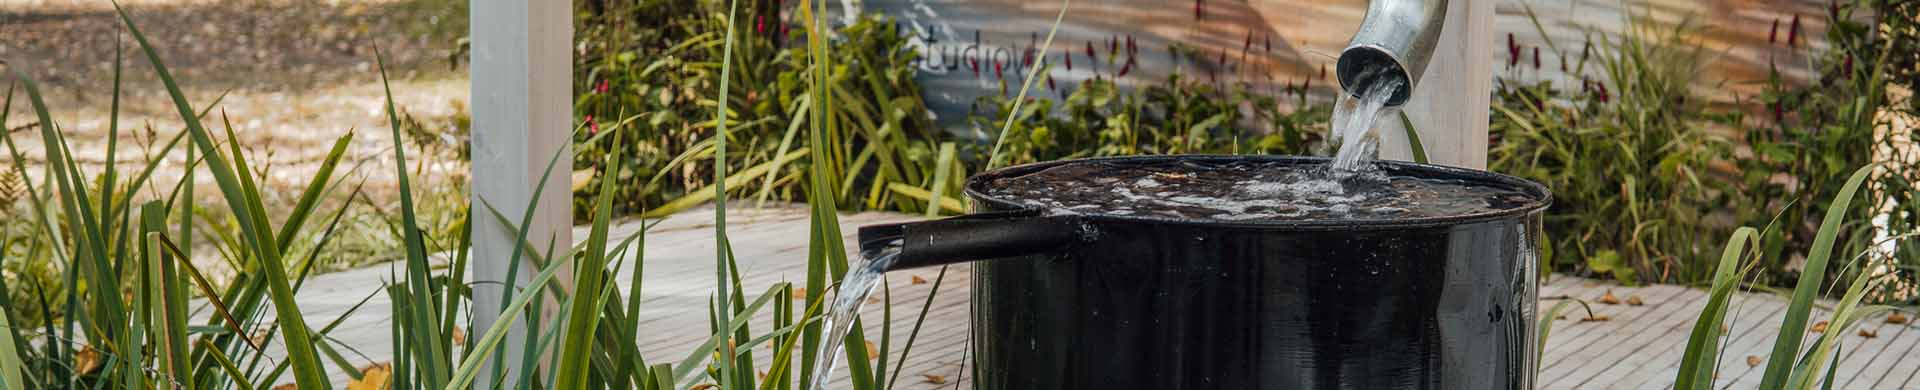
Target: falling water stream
[1353, 118]
[860, 281]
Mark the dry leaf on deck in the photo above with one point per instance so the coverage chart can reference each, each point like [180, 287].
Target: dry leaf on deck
[873, 299]
[286, 386]
[1818, 327]
[86, 360]
[374, 377]
[799, 293]
[919, 280]
[459, 336]
[702, 386]
[1596, 318]
[1896, 318]
[935, 379]
[1609, 299]
[1754, 360]
[1634, 300]
[872, 351]
[1869, 333]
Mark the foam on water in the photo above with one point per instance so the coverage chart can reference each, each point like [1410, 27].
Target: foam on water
[1246, 191]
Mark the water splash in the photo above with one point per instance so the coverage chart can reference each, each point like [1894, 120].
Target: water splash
[860, 281]
[1353, 118]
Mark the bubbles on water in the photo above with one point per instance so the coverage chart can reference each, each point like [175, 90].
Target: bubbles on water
[1246, 191]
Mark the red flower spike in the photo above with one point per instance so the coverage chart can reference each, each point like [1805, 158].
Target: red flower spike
[592, 127]
[1069, 57]
[1198, 14]
[759, 24]
[1090, 55]
[1124, 69]
[1846, 70]
[1248, 43]
[1269, 39]
[1049, 82]
[1536, 58]
[1773, 36]
[602, 88]
[1793, 33]
[1307, 86]
[1131, 49]
[996, 70]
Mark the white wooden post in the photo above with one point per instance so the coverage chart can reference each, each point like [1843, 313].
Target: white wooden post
[522, 91]
[1449, 109]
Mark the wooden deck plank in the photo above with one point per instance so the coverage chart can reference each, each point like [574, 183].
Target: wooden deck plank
[1658, 370]
[1659, 319]
[1563, 359]
[1638, 348]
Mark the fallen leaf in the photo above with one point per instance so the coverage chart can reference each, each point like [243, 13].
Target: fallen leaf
[873, 299]
[1608, 298]
[1869, 333]
[935, 379]
[459, 336]
[799, 293]
[1896, 318]
[1754, 360]
[286, 386]
[872, 351]
[1818, 327]
[86, 360]
[702, 386]
[1634, 300]
[373, 377]
[1596, 318]
[1723, 329]
[919, 280]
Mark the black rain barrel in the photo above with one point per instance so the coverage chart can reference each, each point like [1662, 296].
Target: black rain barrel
[1094, 301]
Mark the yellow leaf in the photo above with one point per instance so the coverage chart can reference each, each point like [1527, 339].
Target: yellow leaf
[919, 280]
[935, 379]
[1634, 300]
[374, 377]
[1754, 360]
[86, 360]
[1896, 318]
[872, 351]
[459, 336]
[286, 386]
[1818, 327]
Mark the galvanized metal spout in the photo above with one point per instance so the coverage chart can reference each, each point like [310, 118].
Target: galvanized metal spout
[1394, 42]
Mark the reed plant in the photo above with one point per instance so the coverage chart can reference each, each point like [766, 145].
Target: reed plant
[1642, 163]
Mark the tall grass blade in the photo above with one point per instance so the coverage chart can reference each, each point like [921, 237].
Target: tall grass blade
[1697, 363]
[583, 316]
[1787, 346]
[308, 371]
[431, 348]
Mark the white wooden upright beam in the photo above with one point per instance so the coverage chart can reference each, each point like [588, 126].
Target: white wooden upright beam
[522, 113]
[1449, 108]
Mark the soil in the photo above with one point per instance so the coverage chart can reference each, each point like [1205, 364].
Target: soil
[295, 77]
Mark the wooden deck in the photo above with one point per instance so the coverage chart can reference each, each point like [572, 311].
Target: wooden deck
[1638, 348]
